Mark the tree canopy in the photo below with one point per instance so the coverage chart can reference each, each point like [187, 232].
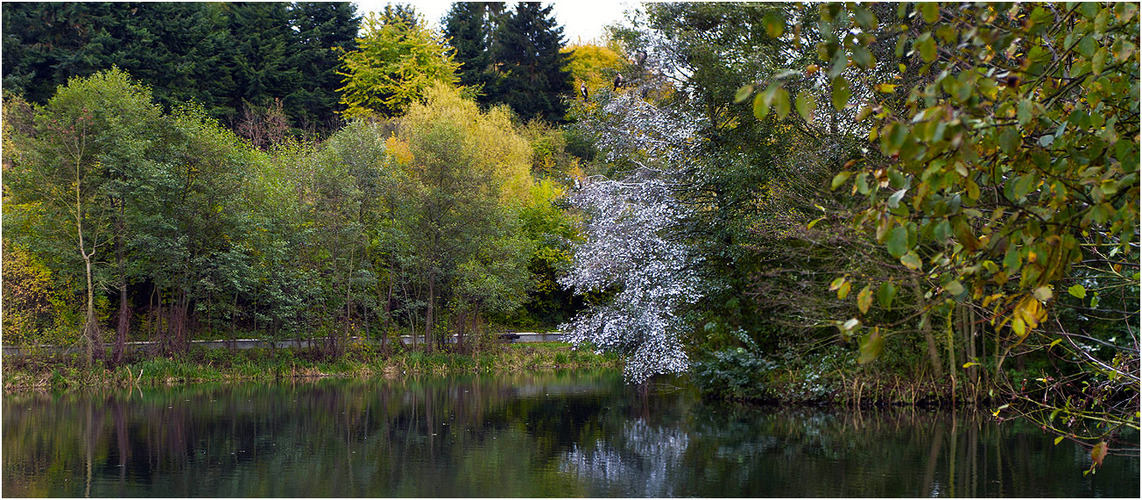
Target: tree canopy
[397, 61]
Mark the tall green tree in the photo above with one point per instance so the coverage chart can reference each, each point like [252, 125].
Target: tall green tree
[321, 29]
[531, 73]
[79, 169]
[262, 39]
[468, 26]
[218, 55]
[463, 167]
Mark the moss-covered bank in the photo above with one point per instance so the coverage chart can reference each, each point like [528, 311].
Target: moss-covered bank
[54, 372]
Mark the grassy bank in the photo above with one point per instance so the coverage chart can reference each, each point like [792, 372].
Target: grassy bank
[55, 372]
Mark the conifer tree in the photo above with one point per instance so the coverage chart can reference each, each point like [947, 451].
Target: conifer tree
[468, 26]
[321, 29]
[532, 77]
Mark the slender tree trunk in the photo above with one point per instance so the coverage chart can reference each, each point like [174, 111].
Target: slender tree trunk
[428, 315]
[94, 347]
[388, 309]
[951, 352]
[90, 326]
[929, 339]
[233, 331]
[124, 309]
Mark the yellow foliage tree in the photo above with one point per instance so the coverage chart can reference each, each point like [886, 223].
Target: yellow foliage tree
[594, 65]
[489, 138]
[397, 62]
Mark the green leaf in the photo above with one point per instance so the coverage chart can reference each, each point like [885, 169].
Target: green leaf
[1023, 112]
[774, 23]
[760, 106]
[871, 346]
[781, 101]
[863, 57]
[898, 242]
[931, 12]
[840, 179]
[1043, 293]
[1098, 62]
[743, 93]
[864, 299]
[885, 295]
[806, 106]
[1077, 291]
[1059, 440]
[843, 290]
[926, 46]
[865, 18]
[841, 93]
[1098, 454]
[1010, 140]
[1122, 50]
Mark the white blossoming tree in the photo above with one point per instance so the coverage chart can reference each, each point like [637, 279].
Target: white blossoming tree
[632, 247]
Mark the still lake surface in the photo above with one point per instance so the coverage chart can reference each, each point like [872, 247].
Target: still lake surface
[570, 434]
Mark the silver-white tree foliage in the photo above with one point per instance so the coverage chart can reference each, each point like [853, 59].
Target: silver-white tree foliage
[631, 244]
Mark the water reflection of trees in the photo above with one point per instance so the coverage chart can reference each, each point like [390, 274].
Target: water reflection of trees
[637, 462]
[330, 438]
[523, 436]
[728, 450]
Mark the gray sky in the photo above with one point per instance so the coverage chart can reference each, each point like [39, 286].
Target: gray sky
[582, 20]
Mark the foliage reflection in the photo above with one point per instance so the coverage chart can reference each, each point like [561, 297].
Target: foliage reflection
[583, 434]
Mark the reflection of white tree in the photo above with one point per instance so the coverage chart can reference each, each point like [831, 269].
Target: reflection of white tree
[645, 461]
[630, 244]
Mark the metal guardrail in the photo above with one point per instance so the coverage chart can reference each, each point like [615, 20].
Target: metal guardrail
[510, 337]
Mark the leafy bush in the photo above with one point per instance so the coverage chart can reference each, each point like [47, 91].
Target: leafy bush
[733, 373]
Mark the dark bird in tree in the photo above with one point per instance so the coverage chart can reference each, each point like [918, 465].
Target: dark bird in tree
[618, 81]
[583, 90]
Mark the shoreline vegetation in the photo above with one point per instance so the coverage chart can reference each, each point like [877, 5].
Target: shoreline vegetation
[54, 372]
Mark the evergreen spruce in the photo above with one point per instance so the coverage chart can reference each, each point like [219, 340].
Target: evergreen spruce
[468, 27]
[322, 29]
[532, 75]
[220, 55]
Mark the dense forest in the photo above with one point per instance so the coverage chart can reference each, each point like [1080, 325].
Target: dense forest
[786, 201]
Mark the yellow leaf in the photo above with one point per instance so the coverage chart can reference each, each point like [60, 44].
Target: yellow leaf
[864, 299]
[1019, 327]
[1099, 453]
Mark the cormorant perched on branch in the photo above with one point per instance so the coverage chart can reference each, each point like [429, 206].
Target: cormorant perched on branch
[618, 81]
[583, 90]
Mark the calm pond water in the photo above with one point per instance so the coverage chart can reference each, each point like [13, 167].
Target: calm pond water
[576, 434]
